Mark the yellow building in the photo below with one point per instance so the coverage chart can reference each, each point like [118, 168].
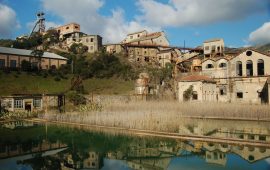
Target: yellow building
[12, 58]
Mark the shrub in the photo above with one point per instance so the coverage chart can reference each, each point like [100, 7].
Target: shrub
[76, 98]
[57, 78]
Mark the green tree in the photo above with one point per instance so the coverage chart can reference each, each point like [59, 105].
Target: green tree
[188, 93]
[38, 53]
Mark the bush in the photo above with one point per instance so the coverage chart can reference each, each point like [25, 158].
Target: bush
[57, 78]
[75, 98]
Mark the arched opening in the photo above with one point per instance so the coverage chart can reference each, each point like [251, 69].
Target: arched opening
[260, 67]
[239, 68]
[209, 66]
[222, 65]
[249, 67]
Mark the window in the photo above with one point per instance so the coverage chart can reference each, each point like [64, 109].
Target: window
[67, 28]
[87, 40]
[239, 71]
[91, 48]
[131, 37]
[13, 63]
[213, 48]
[37, 103]
[138, 59]
[239, 95]
[206, 48]
[18, 103]
[2, 63]
[249, 53]
[92, 40]
[138, 35]
[222, 91]
[146, 59]
[222, 65]
[194, 95]
[260, 67]
[249, 68]
[76, 27]
[209, 66]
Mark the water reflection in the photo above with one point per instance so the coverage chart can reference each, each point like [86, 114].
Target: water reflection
[34, 146]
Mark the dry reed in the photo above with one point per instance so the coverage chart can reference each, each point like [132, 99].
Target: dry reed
[161, 115]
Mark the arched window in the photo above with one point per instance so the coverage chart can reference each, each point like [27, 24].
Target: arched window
[239, 68]
[209, 66]
[222, 65]
[260, 67]
[249, 67]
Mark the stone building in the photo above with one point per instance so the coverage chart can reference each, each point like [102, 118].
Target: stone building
[13, 58]
[214, 47]
[202, 88]
[240, 78]
[71, 33]
[32, 102]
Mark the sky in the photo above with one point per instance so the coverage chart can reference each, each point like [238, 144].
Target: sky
[239, 22]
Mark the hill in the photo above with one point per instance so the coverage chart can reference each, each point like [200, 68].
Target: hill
[14, 82]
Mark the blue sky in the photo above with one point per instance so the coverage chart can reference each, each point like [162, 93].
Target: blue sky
[239, 22]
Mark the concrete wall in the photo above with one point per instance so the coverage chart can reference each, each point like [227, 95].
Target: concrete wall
[254, 58]
[212, 47]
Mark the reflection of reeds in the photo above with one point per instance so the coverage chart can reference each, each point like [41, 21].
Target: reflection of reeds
[161, 116]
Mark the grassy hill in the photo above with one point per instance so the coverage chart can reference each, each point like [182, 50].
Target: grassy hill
[12, 83]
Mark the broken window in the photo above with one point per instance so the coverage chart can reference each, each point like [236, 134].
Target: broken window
[194, 95]
[222, 90]
[239, 95]
[209, 66]
[249, 53]
[249, 68]
[260, 67]
[2, 63]
[239, 67]
[222, 65]
[67, 28]
[92, 40]
[146, 59]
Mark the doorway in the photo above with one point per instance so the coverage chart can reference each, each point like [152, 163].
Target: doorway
[28, 106]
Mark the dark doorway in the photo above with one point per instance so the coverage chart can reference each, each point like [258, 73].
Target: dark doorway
[28, 106]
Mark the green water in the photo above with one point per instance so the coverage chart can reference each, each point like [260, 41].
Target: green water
[25, 145]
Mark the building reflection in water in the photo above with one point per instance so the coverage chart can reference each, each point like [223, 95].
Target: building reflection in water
[139, 152]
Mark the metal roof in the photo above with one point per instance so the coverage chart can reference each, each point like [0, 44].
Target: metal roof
[15, 51]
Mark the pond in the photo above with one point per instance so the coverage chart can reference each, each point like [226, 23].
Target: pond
[29, 145]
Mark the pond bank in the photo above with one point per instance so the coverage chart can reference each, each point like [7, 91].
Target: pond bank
[178, 136]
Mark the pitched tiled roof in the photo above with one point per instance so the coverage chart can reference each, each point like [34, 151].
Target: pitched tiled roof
[15, 51]
[196, 78]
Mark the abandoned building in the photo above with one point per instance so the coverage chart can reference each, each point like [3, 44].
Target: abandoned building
[13, 58]
[201, 88]
[71, 33]
[32, 102]
[239, 77]
[145, 48]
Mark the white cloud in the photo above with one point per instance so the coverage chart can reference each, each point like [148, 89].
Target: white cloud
[8, 21]
[197, 12]
[85, 12]
[261, 35]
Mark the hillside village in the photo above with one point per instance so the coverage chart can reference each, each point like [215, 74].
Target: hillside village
[210, 72]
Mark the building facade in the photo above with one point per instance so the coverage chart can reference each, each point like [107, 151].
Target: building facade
[71, 33]
[13, 58]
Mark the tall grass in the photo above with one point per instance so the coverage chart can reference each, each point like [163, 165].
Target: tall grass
[161, 115]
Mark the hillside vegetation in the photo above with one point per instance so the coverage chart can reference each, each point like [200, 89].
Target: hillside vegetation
[30, 83]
